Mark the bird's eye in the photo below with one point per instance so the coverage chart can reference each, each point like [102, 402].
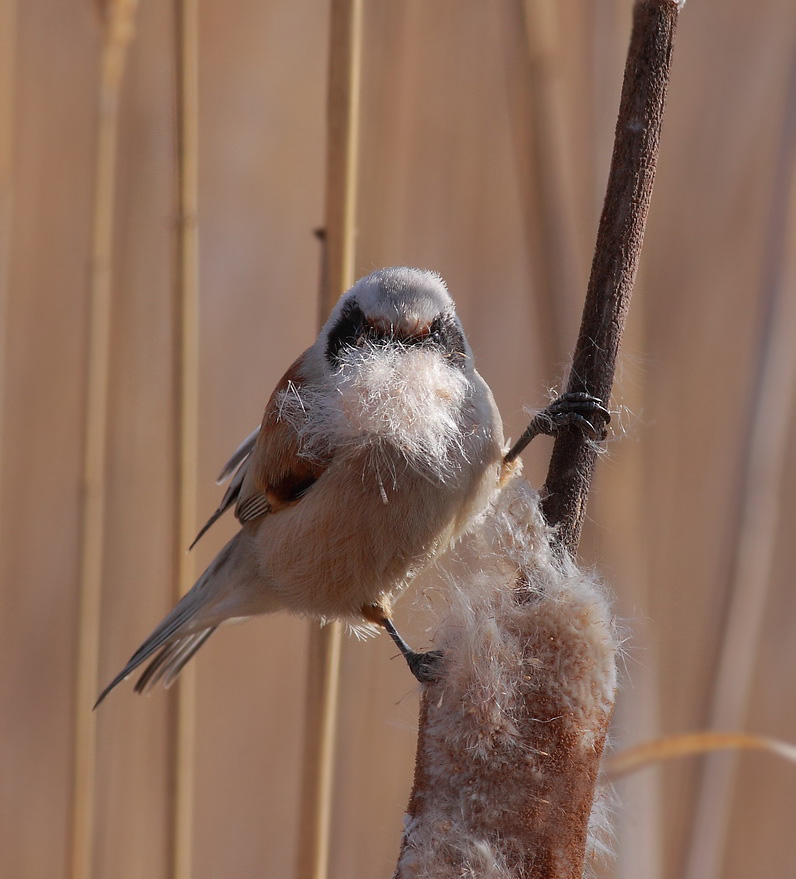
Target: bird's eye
[350, 331]
[444, 332]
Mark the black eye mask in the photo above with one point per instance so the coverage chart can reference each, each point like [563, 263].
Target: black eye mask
[352, 330]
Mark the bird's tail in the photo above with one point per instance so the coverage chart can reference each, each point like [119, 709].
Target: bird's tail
[179, 635]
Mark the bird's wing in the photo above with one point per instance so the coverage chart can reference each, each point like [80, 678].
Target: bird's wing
[232, 492]
[267, 471]
[277, 474]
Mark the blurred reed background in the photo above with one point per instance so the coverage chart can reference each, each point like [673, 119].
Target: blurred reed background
[486, 131]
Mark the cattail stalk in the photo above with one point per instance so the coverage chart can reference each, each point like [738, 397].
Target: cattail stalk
[532, 655]
[617, 251]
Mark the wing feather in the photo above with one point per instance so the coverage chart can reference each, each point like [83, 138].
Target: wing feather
[276, 473]
[238, 456]
[267, 470]
[230, 498]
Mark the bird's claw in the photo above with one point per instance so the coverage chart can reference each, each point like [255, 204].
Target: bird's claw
[426, 667]
[575, 409]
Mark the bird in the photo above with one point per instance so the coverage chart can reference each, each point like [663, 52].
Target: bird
[378, 448]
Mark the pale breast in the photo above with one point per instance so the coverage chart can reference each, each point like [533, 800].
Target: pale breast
[371, 522]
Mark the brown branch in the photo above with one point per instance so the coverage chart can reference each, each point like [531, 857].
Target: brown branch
[616, 255]
[511, 735]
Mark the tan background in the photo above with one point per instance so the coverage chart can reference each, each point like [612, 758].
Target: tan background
[449, 180]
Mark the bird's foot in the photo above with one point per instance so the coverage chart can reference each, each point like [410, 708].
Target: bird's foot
[424, 666]
[579, 410]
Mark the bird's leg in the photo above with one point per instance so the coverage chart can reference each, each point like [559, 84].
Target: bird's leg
[424, 666]
[576, 409]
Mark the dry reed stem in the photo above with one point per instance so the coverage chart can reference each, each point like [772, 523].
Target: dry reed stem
[765, 456]
[543, 160]
[689, 745]
[325, 644]
[320, 739]
[185, 371]
[118, 25]
[546, 839]
[8, 38]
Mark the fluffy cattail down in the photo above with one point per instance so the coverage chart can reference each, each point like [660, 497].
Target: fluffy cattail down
[513, 731]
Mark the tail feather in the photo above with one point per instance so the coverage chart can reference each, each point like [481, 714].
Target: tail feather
[182, 632]
[157, 639]
[171, 660]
